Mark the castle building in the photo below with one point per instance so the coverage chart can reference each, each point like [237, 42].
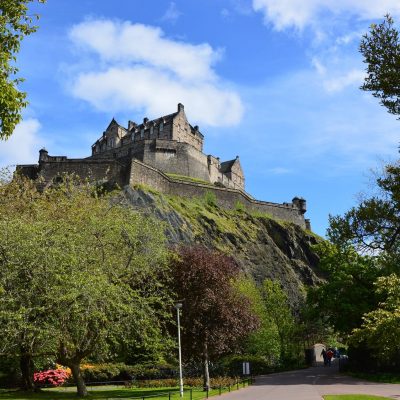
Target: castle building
[165, 153]
[170, 144]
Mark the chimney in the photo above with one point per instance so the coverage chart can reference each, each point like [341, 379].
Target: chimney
[145, 120]
[180, 107]
[131, 125]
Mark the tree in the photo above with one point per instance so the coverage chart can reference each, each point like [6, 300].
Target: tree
[215, 316]
[348, 292]
[364, 254]
[381, 50]
[373, 226]
[381, 327]
[79, 273]
[280, 314]
[264, 341]
[15, 24]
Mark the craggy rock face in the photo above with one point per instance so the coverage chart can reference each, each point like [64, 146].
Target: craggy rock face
[264, 247]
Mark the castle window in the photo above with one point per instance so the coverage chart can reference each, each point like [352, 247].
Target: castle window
[142, 133]
[161, 128]
[151, 131]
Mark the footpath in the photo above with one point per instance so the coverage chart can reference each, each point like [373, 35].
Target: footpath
[310, 384]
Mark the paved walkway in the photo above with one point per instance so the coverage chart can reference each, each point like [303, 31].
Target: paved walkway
[310, 384]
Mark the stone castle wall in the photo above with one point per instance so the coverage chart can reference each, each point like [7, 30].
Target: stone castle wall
[141, 173]
[95, 170]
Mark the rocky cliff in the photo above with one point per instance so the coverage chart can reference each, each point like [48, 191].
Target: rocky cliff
[263, 246]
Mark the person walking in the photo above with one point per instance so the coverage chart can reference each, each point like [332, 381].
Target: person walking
[325, 357]
[329, 355]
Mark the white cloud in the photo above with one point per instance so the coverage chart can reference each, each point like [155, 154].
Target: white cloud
[172, 14]
[279, 171]
[153, 90]
[301, 13]
[22, 146]
[354, 77]
[140, 69]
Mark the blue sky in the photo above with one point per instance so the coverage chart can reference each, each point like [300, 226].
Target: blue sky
[273, 81]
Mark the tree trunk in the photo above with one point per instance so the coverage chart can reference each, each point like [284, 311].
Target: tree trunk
[27, 369]
[80, 383]
[206, 374]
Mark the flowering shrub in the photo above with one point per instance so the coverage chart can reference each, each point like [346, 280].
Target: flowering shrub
[54, 377]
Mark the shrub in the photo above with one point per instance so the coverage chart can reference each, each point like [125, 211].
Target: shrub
[191, 382]
[53, 377]
[100, 372]
[258, 365]
[239, 206]
[156, 383]
[121, 372]
[210, 199]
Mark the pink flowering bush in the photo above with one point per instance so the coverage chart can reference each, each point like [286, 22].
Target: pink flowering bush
[54, 377]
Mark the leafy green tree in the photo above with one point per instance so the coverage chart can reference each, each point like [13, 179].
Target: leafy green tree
[348, 292]
[381, 327]
[215, 316]
[264, 341]
[373, 226]
[381, 50]
[80, 274]
[280, 314]
[15, 24]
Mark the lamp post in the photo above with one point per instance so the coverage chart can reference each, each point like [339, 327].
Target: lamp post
[178, 306]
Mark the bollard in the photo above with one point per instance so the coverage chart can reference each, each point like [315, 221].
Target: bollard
[229, 388]
[191, 394]
[220, 388]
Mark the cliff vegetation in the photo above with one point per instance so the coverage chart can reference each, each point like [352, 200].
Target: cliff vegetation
[264, 247]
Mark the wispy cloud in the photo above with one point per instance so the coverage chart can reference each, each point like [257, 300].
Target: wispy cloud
[336, 132]
[172, 14]
[22, 146]
[299, 14]
[279, 171]
[141, 69]
[350, 78]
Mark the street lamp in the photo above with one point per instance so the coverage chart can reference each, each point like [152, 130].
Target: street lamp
[178, 306]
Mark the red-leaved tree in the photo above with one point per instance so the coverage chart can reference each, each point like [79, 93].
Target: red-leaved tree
[215, 316]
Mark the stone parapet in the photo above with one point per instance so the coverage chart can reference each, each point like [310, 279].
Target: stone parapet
[143, 174]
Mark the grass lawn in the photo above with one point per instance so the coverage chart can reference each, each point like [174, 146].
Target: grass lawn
[382, 377]
[354, 397]
[107, 392]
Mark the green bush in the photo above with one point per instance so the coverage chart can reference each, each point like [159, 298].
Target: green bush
[100, 372]
[210, 199]
[258, 365]
[239, 206]
[191, 382]
[156, 383]
[121, 372]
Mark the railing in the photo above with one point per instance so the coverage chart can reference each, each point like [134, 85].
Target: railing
[220, 388]
[168, 394]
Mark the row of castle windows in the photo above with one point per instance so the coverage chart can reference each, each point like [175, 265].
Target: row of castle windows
[111, 142]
